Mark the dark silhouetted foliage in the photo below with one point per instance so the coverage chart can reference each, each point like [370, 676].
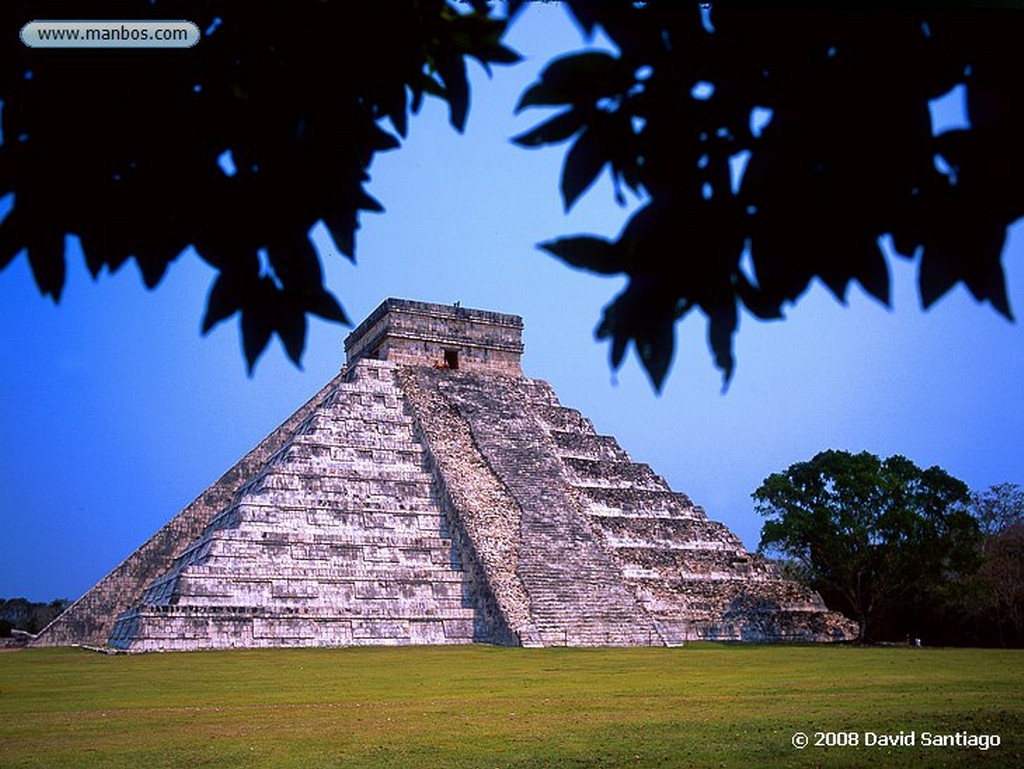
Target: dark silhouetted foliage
[883, 541]
[799, 136]
[827, 110]
[30, 616]
[122, 147]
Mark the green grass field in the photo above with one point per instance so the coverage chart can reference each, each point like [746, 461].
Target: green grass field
[705, 705]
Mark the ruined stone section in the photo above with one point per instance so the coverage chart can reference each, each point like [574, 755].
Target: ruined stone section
[575, 590]
[484, 517]
[443, 336]
[692, 575]
[339, 540]
[89, 620]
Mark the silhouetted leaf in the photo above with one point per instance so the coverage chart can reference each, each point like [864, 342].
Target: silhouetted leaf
[153, 267]
[325, 304]
[541, 95]
[223, 301]
[588, 253]
[762, 306]
[614, 325]
[258, 323]
[644, 313]
[618, 351]
[655, 346]
[584, 16]
[11, 240]
[453, 72]
[94, 261]
[872, 273]
[935, 277]
[986, 279]
[291, 328]
[586, 76]
[557, 129]
[722, 322]
[296, 264]
[959, 252]
[342, 227]
[997, 295]
[581, 79]
[46, 256]
[583, 163]
[396, 108]
[366, 202]
[382, 141]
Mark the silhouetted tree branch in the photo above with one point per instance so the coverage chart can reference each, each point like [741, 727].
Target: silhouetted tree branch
[800, 137]
[236, 147]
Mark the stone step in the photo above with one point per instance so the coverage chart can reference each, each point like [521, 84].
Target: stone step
[311, 467]
[637, 502]
[340, 431]
[434, 574]
[309, 583]
[356, 605]
[588, 446]
[345, 498]
[395, 451]
[147, 630]
[428, 519]
[601, 473]
[318, 484]
[554, 635]
[264, 533]
[225, 554]
[707, 563]
[665, 532]
[561, 419]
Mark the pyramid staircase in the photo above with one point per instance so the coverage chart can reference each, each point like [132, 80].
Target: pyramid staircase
[692, 575]
[574, 587]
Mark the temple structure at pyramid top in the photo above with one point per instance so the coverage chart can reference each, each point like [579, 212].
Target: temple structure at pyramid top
[444, 336]
[432, 494]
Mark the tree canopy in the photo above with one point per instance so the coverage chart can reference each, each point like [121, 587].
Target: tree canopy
[998, 597]
[882, 540]
[769, 147]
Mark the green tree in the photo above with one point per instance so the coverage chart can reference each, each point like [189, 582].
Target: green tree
[827, 108]
[1000, 597]
[880, 539]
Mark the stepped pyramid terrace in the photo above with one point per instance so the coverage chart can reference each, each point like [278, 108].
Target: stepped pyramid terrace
[432, 494]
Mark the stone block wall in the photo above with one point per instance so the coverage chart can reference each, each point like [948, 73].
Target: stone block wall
[445, 336]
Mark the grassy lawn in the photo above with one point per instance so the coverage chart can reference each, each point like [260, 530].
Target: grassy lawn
[705, 705]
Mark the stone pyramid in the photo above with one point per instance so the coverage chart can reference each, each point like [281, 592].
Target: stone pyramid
[432, 494]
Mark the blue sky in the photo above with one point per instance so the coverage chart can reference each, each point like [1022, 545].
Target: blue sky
[118, 412]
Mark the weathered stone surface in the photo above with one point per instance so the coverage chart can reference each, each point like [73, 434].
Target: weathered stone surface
[277, 568]
[432, 494]
[451, 337]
